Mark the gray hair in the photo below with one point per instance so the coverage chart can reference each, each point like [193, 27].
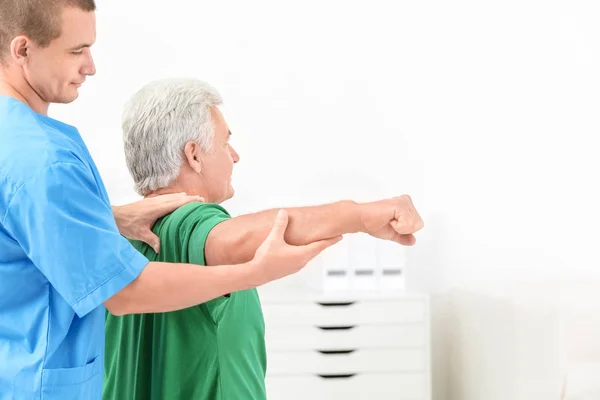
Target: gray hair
[157, 123]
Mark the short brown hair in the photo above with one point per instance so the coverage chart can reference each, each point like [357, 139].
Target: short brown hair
[37, 19]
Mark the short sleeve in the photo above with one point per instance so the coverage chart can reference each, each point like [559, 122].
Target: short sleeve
[64, 223]
[198, 223]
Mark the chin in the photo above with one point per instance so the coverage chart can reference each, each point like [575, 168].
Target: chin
[65, 99]
[72, 98]
[229, 195]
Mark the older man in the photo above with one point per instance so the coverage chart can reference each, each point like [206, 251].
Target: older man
[176, 140]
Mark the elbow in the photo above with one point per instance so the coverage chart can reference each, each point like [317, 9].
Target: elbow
[115, 309]
[117, 312]
[118, 305]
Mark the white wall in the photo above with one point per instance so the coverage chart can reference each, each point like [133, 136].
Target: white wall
[486, 112]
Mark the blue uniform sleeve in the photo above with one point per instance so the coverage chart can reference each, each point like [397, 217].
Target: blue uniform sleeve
[64, 223]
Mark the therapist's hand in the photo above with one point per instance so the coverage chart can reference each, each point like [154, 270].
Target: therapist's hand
[135, 220]
[275, 258]
[393, 219]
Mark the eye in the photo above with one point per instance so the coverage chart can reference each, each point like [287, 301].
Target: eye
[77, 53]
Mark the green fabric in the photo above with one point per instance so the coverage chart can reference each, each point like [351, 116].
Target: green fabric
[213, 351]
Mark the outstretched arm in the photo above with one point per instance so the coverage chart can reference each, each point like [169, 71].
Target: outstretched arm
[236, 240]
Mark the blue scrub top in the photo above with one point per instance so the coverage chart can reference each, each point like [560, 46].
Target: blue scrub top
[61, 257]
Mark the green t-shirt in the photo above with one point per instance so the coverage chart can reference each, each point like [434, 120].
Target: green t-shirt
[213, 351]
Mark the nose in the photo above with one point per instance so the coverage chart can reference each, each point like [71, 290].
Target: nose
[234, 155]
[89, 69]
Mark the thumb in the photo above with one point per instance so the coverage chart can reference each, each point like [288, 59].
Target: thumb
[279, 226]
[152, 240]
[400, 227]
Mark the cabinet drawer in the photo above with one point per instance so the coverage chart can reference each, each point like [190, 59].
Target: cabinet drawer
[346, 313]
[285, 338]
[358, 387]
[346, 362]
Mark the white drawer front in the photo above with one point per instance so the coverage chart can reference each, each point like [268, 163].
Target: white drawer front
[351, 313]
[284, 338]
[359, 387]
[354, 362]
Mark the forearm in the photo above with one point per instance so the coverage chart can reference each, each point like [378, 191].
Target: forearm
[236, 240]
[164, 287]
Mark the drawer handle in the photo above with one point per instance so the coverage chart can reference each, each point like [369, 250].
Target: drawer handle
[336, 328]
[329, 352]
[392, 272]
[364, 272]
[336, 304]
[335, 376]
[336, 272]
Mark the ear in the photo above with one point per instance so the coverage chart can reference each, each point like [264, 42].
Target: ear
[193, 153]
[19, 49]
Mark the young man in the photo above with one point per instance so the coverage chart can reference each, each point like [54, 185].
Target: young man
[62, 256]
[176, 139]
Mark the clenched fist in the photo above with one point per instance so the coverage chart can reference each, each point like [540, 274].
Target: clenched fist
[393, 219]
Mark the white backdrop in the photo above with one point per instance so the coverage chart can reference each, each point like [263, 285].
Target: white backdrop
[486, 112]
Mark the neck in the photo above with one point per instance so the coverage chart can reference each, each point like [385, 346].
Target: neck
[22, 92]
[179, 188]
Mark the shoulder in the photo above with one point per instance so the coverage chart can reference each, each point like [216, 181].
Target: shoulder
[191, 220]
[193, 216]
[32, 147]
[183, 233]
[197, 210]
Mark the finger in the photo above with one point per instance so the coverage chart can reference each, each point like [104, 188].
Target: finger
[417, 223]
[314, 248]
[184, 194]
[173, 197]
[406, 228]
[279, 226]
[420, 224]
[405, 240]
[151, 240]
[170, 196]
[405, 197]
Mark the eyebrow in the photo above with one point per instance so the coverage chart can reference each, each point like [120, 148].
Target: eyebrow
[81, 46]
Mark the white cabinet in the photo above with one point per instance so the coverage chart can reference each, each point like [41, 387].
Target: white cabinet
[346, 346]
[363, 386]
